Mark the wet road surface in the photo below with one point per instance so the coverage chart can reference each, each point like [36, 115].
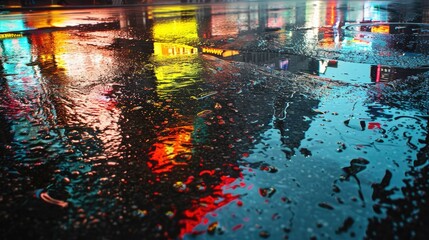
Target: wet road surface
[281, 120]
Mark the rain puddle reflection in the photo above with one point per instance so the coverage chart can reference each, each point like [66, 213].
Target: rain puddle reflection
[254, 120]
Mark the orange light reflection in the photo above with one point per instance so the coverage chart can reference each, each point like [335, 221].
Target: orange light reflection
[171, 144]
[385, 29]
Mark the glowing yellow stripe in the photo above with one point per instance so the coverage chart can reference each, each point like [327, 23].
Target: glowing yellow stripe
[10, 35]
[215, 51]
[220, 52]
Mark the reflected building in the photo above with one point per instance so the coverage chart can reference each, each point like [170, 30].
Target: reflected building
[330, 34]
[70, 73]
[365, 73]
[204, 20]
[156, 131]
[381, 73]
[71, 117]
[162, 131]
[280, 61]
[20, 94]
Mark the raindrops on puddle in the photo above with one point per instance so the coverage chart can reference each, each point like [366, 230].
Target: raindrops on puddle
[197, 121]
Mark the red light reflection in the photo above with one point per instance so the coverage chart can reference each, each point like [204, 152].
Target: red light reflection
[201, 207]
[172, 144]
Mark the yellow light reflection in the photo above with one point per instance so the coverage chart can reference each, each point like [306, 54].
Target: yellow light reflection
[57, 49]
[176, 62]
[59, 19]
[10, 35]
[168, 49]
[220, 52]
[380, 29]
[49, 47]
[177, 31]
[176, 74]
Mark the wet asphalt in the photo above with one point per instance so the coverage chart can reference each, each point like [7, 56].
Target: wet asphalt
[226, 120]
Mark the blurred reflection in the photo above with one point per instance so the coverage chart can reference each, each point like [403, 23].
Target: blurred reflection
[182, 30]
[61, 120]
[331, 30]
[173, 148]
[13, 23]
[136, 127]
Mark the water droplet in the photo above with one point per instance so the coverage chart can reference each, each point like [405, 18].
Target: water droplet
[201, 187]
[264, 234]
[141, 213]
[212, 228]
[204, 113]
[326, 206]
[169, 214]
[267, 192]
[335, 189]
[180, 186]
[218, 106]
[136, 108]
[236, 227]
[305, 152]
[346, 225]
[66, 180]
[268, 168]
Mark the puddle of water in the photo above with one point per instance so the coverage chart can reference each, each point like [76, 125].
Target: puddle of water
[350, 72]
[420, 29]
[144, 127]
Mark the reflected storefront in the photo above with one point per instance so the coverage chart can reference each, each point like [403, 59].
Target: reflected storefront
[161, 122]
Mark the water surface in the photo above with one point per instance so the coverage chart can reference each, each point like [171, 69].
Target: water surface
[226, 120]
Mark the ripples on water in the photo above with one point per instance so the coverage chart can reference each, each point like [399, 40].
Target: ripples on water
[117, 137]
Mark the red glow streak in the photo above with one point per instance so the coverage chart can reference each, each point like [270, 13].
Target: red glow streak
[189, 180]
[177, 142]
[201, 207]
[236, 227]
[377, 79]
[330, 18]
[227, 180]
[209, 172]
